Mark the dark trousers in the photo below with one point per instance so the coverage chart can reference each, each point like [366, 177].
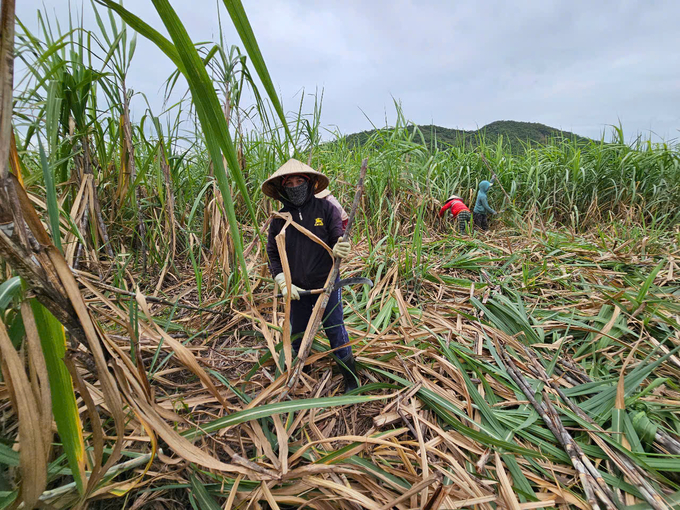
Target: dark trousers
[481, 221]
[463, 221]
[333, 322]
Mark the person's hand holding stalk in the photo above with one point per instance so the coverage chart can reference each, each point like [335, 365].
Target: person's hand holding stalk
[341, 248]
[280, 279]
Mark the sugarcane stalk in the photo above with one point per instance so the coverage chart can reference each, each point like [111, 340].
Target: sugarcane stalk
[6, 83]
[127, 135]
[591, 480]
[631, 470]
[317, 315]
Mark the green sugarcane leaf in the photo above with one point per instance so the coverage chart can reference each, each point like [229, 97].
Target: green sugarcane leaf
[271, 409]
[631, 435]
[8, 457]
[645, 428]
[479, 401]
[673, 500]
[204, 500]
[445, 409]
[602, 403]
[140, 26]
[213, 122]
[218, 140]
[8, 290]
[245, 32]
[64, 407]
[334, 456]
[618, 416]
[649, 281]
[551, 367]
[7, 499]
[378, 471]
[521, 483]
[52, 204]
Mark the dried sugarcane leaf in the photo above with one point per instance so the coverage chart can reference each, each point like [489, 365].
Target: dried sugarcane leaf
[32, 453]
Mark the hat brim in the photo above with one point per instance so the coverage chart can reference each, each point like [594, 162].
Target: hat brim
[272, 185]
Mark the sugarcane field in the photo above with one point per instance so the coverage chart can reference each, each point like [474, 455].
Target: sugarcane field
[212, 299]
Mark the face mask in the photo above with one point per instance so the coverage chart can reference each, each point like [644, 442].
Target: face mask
[298, 194]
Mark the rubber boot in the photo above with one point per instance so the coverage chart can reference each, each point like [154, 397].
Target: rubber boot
[349, 373]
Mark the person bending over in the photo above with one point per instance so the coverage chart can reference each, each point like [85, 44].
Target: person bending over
[459, 212]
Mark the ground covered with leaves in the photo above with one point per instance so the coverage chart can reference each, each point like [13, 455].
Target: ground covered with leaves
[522, 368]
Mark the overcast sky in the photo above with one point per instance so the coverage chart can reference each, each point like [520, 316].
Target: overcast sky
[575, 65]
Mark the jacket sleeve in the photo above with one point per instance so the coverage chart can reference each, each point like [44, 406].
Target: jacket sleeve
[443, 210]
[485, 203]
[272, 250]
[335, 229]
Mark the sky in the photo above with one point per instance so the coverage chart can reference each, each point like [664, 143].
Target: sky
[576, 65]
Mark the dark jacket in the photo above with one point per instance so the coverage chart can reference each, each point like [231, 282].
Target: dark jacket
[309, 262]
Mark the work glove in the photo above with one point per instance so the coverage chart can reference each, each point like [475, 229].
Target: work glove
[280, 279]
[341, 248]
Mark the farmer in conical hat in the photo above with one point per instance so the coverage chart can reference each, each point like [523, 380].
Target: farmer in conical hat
[459, 212]
[295, 184]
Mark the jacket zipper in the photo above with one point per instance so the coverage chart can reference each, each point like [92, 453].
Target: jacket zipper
[300, 213]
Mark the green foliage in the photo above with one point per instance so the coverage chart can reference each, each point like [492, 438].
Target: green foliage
[64, 406]
[516, 136]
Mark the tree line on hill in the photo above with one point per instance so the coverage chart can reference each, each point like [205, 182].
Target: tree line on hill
[515, 134]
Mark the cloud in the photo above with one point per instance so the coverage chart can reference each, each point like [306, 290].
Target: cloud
[577, 65]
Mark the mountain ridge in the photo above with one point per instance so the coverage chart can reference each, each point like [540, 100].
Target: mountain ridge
[518, 134]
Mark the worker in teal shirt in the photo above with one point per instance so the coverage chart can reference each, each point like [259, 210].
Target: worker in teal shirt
[482, 208]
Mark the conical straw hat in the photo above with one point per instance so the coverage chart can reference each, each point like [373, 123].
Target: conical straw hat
[271, 186]
[323, 194]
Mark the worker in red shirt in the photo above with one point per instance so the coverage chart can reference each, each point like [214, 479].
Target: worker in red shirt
[459, 211]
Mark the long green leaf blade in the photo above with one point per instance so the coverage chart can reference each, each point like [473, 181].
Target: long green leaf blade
[277, 408]
[52, 205]
[64, 407]
[245, 31]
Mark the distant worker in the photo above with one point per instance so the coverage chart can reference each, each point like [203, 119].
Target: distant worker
[459, 212]
[482, 207]
[294, 184]
[326, 195]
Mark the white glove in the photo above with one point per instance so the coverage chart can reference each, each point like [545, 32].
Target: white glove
[280, 279]
[341, 248]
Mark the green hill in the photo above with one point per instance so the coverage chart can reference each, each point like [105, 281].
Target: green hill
[516, 134]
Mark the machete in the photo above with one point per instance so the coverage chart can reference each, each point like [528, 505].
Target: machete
[340, 283]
